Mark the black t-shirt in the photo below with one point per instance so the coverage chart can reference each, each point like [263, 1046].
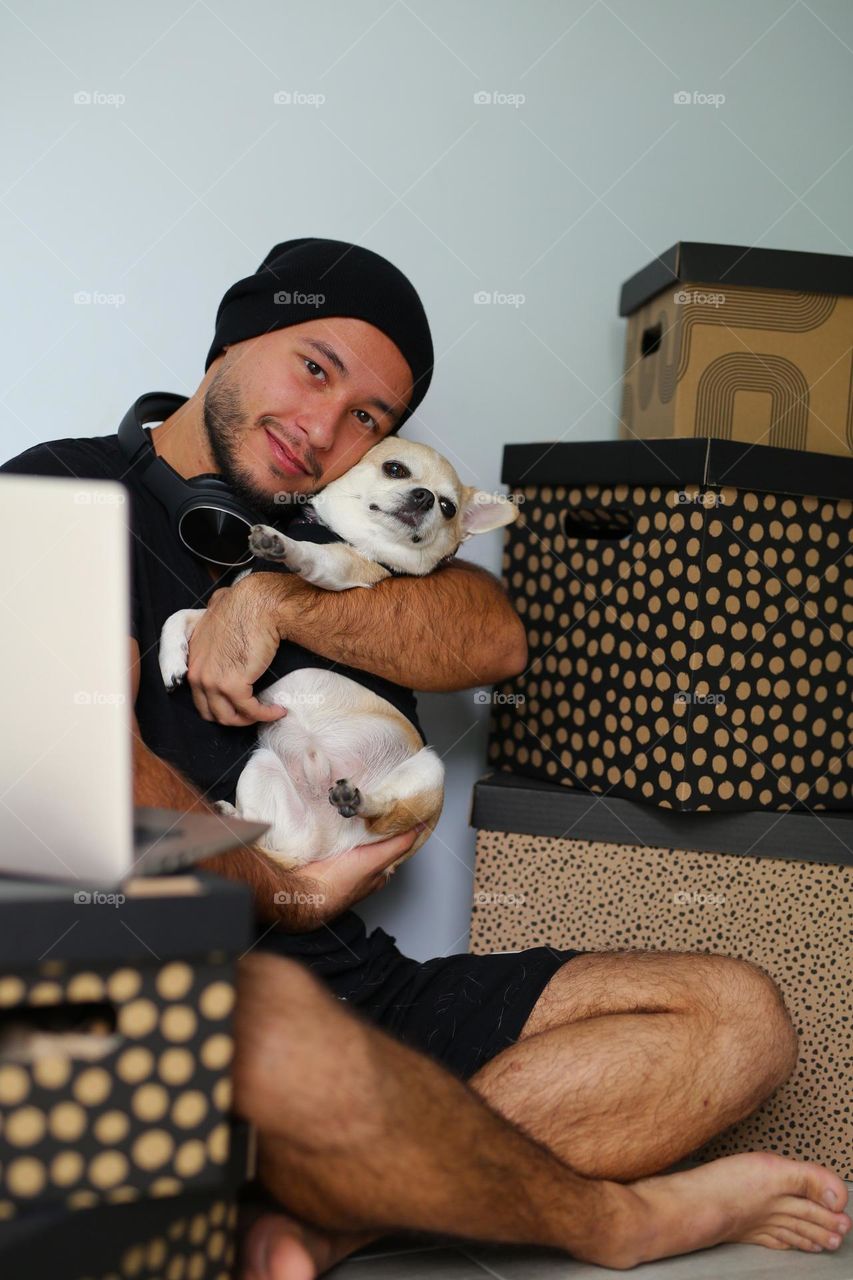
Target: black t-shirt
[165, 577]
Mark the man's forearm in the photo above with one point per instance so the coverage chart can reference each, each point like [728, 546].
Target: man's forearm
[278, 895]
[453, 629]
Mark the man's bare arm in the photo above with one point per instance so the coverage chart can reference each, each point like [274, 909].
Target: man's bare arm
[300, 900]
[453, 629]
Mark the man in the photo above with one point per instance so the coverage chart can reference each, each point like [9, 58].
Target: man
[507, 1097]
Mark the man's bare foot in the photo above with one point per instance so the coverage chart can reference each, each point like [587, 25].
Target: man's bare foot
[278, 1247]
[755, 1198]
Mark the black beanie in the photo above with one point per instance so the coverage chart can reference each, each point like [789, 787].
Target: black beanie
[308, 279]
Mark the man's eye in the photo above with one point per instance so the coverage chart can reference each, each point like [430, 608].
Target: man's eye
[366, 419]
[313, 367]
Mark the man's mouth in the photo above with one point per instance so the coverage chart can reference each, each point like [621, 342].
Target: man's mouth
[284, 456]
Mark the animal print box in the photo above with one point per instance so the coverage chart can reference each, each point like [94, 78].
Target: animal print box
[689, 623]
[570, 870]
[171, 1238]
[743, 344]
[115, 1039]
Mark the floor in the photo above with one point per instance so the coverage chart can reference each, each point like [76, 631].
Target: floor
[399, 1258]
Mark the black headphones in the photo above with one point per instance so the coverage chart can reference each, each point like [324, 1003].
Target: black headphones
[205, 515]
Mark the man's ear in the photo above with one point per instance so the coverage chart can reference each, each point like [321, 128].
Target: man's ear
[483, 511]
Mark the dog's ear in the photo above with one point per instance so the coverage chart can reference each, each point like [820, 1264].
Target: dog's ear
[483, 511]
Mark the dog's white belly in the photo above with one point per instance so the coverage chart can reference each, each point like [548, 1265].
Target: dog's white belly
[333, 729]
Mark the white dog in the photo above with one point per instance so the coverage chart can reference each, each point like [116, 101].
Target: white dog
[344, 766]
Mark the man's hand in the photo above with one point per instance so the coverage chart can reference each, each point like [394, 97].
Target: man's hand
[231, 647]
[323, 890]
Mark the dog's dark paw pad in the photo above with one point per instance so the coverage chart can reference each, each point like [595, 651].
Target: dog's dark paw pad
[345, 797]
[174, 683]
[265, 542]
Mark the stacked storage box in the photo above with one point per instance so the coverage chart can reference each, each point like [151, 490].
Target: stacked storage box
[674, 768]
[118, 1153]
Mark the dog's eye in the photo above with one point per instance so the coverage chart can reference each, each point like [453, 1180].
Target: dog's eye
[448, 509]
[396, 470]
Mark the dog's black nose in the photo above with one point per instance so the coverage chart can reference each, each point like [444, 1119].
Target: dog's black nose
[422, 499]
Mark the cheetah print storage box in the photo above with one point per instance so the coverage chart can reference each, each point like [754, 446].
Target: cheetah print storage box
[572, 870]
[689, 620]
[144, 1112]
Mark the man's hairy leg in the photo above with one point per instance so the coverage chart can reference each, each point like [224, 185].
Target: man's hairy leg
[631, 1060]
[360, 1134]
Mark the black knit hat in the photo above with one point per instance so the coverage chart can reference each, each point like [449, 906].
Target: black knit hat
[308, 279]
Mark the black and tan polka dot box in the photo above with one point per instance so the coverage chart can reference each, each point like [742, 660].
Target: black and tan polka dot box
[116, 1039]
[571, 870]
[689, 620]
[742, 344]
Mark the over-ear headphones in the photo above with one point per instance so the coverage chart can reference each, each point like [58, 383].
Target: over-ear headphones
[205, 514]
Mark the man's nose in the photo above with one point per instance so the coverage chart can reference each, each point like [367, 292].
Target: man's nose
[320, 426]
[421, 499]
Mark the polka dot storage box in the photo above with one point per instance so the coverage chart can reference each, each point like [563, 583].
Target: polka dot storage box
[116, 1041]
[567, 869]
[689, 616]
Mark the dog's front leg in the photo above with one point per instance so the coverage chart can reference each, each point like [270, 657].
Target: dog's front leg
[334, 566]
[175, 644]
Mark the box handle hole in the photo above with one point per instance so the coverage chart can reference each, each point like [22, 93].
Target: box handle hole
[86, 1030]
[605, 523]
[651, 339]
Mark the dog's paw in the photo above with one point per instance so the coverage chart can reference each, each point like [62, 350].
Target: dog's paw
[222, 806]
[266, 543]
[345, 797]
[173, 661]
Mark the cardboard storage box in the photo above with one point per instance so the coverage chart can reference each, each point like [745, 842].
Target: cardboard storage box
[570, 870]
[689, 623]
[184, 1237]
[742, 344]
[143, 978]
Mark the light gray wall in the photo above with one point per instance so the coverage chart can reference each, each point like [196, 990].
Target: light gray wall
[169, 194]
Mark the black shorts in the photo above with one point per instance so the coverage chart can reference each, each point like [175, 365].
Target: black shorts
[461, 1010]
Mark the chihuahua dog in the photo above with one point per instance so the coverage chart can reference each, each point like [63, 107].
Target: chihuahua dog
[345, 767]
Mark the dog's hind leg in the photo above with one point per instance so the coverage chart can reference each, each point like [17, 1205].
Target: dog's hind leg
[412, 792]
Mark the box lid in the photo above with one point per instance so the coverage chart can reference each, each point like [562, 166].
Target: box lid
[161, 917]
[690, 260]
[504, 801]
[673, 463]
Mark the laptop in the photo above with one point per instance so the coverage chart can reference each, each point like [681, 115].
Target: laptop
[66, 763]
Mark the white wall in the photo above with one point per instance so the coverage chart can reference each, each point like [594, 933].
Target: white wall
[181, 188]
